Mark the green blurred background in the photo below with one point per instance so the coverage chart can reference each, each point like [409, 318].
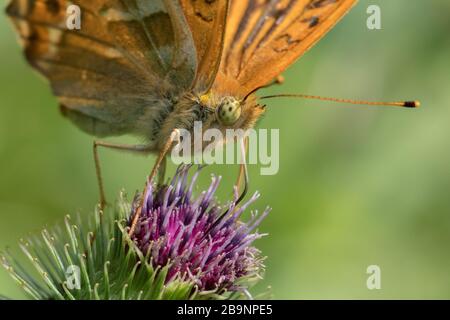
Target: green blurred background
[357, 185]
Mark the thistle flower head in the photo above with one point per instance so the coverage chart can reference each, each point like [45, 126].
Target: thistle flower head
[194, 237]
[183, 248]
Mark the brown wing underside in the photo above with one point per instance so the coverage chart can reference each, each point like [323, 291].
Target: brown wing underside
[264, 37]
[125, 57]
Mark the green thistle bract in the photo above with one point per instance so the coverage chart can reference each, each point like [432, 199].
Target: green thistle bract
[98, 260]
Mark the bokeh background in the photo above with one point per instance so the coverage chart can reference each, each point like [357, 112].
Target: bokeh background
[357, 185]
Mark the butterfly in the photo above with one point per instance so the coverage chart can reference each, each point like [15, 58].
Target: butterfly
[150, 67]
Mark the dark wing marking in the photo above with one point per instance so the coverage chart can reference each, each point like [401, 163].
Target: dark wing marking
[264, 37]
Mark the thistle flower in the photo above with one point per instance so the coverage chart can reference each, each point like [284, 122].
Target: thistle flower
[182, 248]
[191, 237]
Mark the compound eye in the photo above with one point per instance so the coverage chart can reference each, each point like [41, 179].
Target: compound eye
[229, 111]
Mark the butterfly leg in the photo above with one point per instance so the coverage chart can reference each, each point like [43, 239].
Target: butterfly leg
[243, 170]
[162, 171]
[160, 163]
[132, 148]
[243, 174]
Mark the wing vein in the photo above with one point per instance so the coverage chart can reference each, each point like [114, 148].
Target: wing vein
[94, 39]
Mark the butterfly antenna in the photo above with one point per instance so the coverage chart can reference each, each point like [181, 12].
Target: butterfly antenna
[404, 104]
[278, 80]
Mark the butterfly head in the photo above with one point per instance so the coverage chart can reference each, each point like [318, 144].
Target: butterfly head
[232, 112]
[228, 111]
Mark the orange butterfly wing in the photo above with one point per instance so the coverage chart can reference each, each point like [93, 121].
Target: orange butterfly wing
[264, 37]
[207, 21]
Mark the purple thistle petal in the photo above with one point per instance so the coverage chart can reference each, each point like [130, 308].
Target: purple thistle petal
[176, 229]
